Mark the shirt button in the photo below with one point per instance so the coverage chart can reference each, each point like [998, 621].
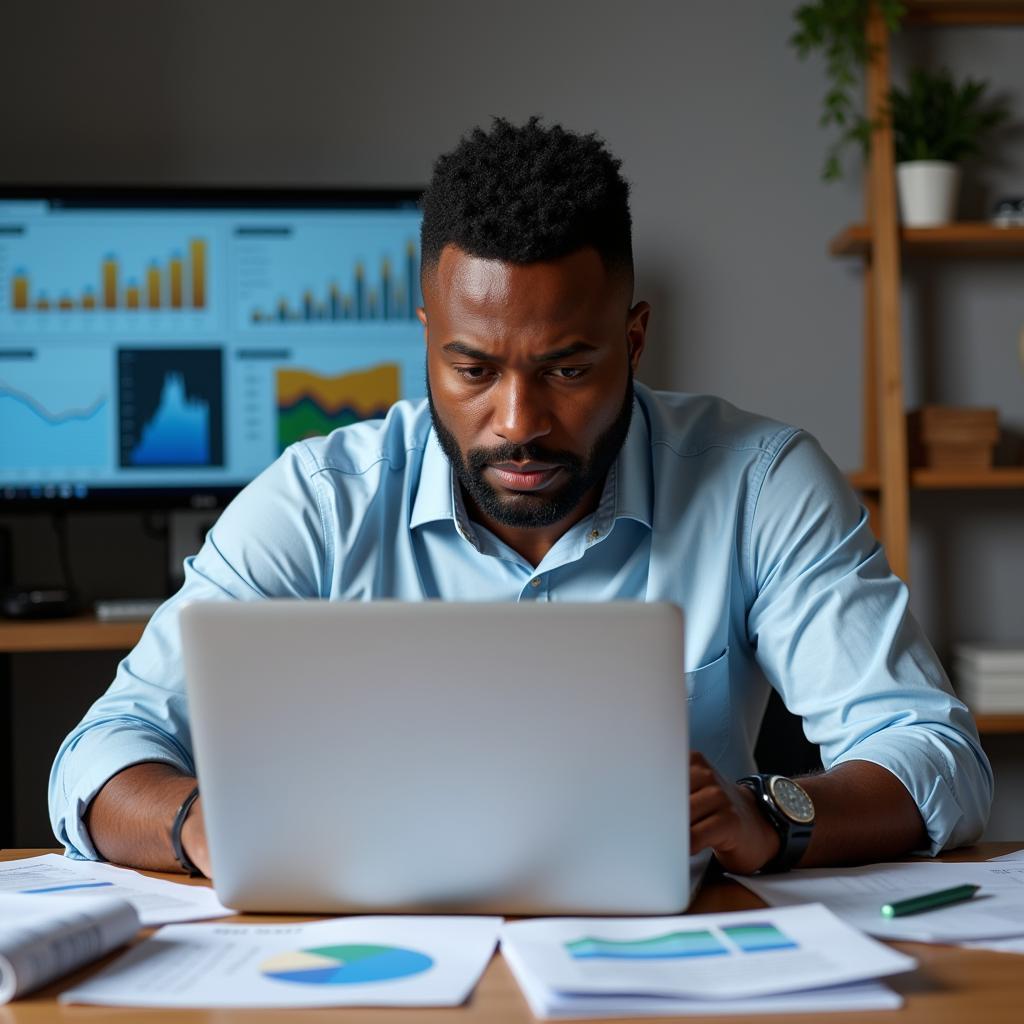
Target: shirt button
[535, 582]
[593, 535]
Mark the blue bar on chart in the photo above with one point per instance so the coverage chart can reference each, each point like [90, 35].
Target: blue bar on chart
[385, 297]
[758, 937]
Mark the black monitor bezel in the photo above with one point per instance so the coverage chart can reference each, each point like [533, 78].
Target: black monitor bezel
[191, 197]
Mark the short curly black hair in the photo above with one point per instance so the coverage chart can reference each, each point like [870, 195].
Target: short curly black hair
[527, 193]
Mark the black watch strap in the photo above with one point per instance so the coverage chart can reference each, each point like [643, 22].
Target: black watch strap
[794, 836]
[183, 859]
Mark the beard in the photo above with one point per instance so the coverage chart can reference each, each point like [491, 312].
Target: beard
[528, 510]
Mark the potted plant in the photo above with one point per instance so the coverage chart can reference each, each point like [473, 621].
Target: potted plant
[935, 124]
[837, 28]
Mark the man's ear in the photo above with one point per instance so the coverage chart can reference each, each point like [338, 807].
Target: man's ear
[636, 332]
[421, 315]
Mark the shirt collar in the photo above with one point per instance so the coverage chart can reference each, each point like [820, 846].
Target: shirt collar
[632, 474]
[435, 490]
[627, 492]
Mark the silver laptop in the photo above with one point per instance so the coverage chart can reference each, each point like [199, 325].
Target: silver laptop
[439, 757]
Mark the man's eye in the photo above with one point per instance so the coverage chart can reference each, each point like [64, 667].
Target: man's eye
[472, 372]
[569, 372]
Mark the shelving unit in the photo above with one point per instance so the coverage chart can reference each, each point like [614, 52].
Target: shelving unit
[965, 12]
[886, 479]
[993, 724]
[997, 478]
[80, 633]
[955, 241]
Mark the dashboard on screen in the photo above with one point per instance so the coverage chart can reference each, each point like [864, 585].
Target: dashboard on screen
[167, 346]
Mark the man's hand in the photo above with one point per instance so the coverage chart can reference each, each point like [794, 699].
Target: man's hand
[193, 838]
[724, 817]
[862, 813]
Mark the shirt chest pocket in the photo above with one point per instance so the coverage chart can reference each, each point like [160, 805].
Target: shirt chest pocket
[707, 698]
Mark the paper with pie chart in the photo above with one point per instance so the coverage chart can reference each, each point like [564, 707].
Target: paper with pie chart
[354, 961]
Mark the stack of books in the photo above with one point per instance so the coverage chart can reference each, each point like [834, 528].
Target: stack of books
[990, 677]
[953, 438]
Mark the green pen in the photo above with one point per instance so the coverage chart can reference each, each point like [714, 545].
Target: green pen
[930, 900]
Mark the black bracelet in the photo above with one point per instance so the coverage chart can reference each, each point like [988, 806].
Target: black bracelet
[183, 859]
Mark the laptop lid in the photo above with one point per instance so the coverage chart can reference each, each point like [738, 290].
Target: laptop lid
[487, 758]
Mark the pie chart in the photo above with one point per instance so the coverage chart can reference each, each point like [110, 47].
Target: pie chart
[345, 965]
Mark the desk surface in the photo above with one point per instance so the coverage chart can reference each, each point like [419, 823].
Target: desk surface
[950, 986]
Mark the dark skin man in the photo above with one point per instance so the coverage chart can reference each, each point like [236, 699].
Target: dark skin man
[529, 367]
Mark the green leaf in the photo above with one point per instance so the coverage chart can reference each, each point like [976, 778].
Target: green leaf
[836, 29]
[934, 118]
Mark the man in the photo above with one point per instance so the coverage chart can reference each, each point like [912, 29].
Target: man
[539, 471]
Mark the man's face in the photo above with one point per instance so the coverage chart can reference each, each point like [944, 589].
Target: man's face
[529, 374]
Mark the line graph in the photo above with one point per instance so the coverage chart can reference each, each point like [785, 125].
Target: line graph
[33, 404]
[52, 430]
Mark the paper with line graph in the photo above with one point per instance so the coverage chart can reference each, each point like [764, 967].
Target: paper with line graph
[701, 956]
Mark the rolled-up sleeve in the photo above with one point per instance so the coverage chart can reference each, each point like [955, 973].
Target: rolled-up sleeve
[833, 633]
[269, 542]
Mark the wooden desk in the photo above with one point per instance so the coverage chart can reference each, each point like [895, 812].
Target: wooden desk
[950, 986]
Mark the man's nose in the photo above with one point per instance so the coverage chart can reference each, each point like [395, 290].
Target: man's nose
[521, 414]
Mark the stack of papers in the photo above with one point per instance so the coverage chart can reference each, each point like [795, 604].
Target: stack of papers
[857, 895]
[990, 677]
[762, 961]
[808, 952]
[1014, 944]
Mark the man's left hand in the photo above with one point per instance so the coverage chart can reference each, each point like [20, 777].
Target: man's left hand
[724, 817]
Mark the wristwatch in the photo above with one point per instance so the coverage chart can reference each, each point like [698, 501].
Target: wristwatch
[790, 810]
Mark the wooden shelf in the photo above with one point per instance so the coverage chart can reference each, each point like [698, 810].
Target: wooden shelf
[961, 240]
[80, 633]
[994, 724]
[965, 12]
[996, 478]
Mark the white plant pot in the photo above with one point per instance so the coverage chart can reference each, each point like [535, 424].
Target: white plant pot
[928, 191]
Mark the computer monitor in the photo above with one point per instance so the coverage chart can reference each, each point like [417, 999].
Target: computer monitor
[164, 346]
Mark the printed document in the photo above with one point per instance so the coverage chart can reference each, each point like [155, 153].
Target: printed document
[858, 894]
[548, 1005]
[354, 961]
[1011, 945]
[745, 955]
[157, 901]
[1016, 855]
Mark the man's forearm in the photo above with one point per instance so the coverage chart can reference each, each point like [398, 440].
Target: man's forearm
[863, 813]
[130, 818]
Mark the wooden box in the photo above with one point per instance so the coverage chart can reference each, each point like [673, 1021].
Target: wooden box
[952, 437]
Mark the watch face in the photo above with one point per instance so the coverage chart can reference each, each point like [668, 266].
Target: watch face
[792, 800]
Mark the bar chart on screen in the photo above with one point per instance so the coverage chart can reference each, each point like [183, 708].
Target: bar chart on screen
[137, 277]
[301, 274]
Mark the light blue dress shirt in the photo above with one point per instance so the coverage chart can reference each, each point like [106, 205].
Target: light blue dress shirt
[741, 521]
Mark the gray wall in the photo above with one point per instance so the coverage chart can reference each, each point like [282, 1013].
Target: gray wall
[716, 121]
